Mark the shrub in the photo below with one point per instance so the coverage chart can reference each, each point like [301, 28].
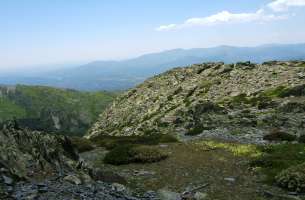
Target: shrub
[292, 178]
[278, 135]
[302, 139]
[276, 158]
[111, 142]
[147, 154]
[81, 144]
[134, 154]
[198, 129]
[294, 91]
[119, 155]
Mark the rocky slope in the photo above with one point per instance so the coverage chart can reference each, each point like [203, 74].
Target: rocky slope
[242, 101]
[35, 165]
[51, 109]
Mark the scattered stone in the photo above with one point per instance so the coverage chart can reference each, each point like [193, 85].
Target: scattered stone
[168, 195]
[73, 179]
[118, 187]
[143, 173]
[230, 179]
[7, 180]
[200, 196]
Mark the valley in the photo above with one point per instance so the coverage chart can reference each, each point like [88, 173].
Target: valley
[54, 110]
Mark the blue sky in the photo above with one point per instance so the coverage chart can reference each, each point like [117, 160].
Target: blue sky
[34, 32]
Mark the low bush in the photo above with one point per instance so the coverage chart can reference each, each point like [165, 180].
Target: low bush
[276, 158]
[147, 154]
[82, 144]
[111, 142]
[278, 135]
[134, 154]
[293, 178]
[198, 129]
[302, 139]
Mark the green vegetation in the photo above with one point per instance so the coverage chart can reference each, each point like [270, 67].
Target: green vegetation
[283, 91]
[276, 158]
[51, 109]
[133, 149]
[236, 149]
[134, 154]
[278, 135]
[260, 101]
[82, 144]
[9, 109]
[198, 129]
[292, 178]
[111, 142]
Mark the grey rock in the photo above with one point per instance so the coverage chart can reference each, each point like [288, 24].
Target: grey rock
[230, 179]
[200, 196]
[7, 180]
[168, 195]
[73, 179]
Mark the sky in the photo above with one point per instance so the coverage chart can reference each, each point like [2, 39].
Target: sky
[58, 32]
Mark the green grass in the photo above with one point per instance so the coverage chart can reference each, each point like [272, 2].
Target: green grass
[284, 91]
[276, 158]
[9, 110]
[247, 150]
[259, 101]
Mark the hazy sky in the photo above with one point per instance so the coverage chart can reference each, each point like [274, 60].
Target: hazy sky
[65, 31]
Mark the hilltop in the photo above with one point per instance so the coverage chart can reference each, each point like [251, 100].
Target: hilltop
[242, 101]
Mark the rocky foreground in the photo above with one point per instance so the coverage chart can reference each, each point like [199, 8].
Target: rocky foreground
[241, 102]
[35, 165]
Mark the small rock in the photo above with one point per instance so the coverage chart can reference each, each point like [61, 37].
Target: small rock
[73, 179]
[168, 195]
[200, 196]
[33, 196]
[143, 173]
[7, 180]
[230, 179]
[118, 187]
[10, 189]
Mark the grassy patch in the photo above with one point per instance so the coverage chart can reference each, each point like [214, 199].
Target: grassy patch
[9, 110]
[134, 154]
[283, 91]
[82, 144]
[247, 150]
[111, 142]
[276, 158]
[260, 101]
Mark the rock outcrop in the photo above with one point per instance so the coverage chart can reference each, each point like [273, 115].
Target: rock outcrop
[241, 100]
[36, 165]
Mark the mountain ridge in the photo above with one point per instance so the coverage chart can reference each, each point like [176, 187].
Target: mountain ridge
[211, 98]
[124, 74]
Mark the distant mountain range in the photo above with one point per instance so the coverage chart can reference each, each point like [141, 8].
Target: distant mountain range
[120, 75]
